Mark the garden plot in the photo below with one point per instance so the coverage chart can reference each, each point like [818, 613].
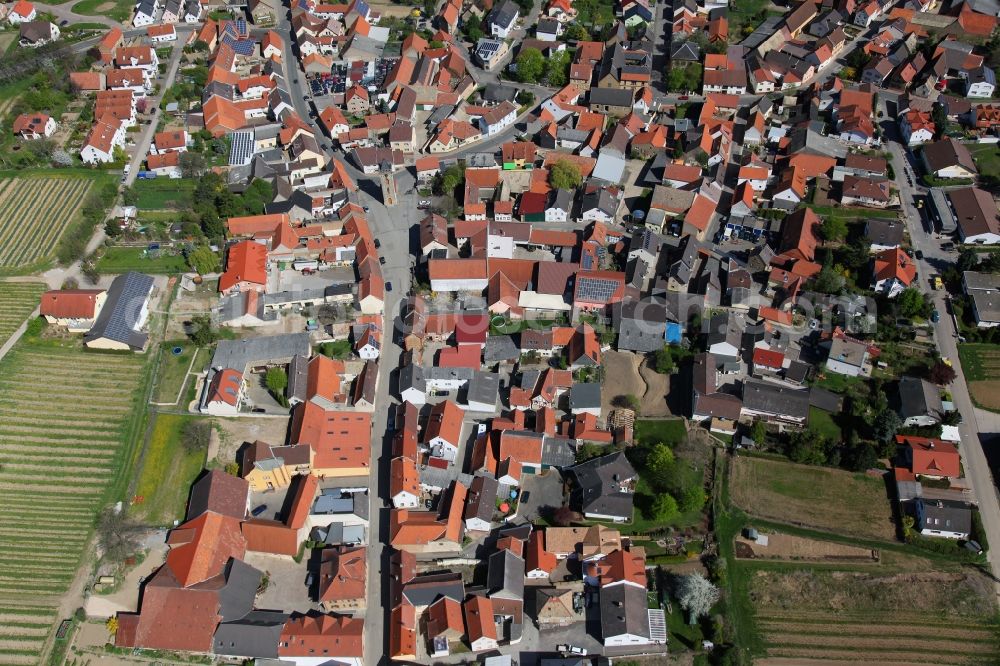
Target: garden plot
[34, 213]
[64, 419]
[17, 301]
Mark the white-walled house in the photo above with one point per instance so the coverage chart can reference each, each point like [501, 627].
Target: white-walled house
[104, 136]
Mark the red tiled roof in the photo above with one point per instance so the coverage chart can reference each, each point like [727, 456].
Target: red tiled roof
[893, 263]
[341, 439]
[70, 303]
[333, 636]
[246, 262]
[768, 358]
[933, 457]
[200, 548]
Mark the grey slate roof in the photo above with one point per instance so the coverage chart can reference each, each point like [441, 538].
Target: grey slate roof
[504, 14]
[599, 483]
[918, 397]
[254, 635]
[238, 354]
[412, 376]
[558, 452]
[611, 97]
[944, 515]
[505, 575]
[236, 597]
[500, 348]
[425, 590]
[119, 318]
[484, 387]
[585, 396]
[623, 611]
[769, 398]
[642, 324]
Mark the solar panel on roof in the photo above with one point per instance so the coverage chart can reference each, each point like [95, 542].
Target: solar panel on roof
[596, 290]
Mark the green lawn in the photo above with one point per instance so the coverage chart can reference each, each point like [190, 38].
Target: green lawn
[670, 431]
[120, 12]
[822, 422]
[987, 158]
[162, 193]
[123, 259]
[168, 470]
[336, 349]
[836, 382]
[173, 370]
[853, 213]
[744, 14]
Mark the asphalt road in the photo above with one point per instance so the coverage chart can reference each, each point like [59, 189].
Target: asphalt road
[391, 226]
[976, 424]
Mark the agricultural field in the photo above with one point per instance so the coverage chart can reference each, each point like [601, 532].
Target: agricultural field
[67, 419]
[34, 213]
[816, 497]
[17, 301]
[981, 367]
[891, 618]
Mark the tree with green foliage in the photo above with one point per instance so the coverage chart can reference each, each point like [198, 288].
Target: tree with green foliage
[692, 497]
[447, 182]
[525, 98]
[664, 508]
[192, 164]
[659, 463]
[663, 360]
[886, 424]
[564, 175]
[758, 432]
[530, 65]
[276, 380]
[557, 69]
[911, 303]
[828, 280]
[833, 229]
[202, 333]
[968, 260]
[576, 33]
[204, 260]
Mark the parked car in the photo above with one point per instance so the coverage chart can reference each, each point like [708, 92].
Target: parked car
[377, 244]
[388, 286]
[258, 510]
[919, 254]
[935, 316]
[381, 260]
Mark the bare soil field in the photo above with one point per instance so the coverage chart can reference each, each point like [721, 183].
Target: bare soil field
[236, 431]
[938, 593]
[626, 373]
[654, 400]
[934, 617]
[986, 393]
[391, 9]
[789, 547]
[621, 377]
[816, 497]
